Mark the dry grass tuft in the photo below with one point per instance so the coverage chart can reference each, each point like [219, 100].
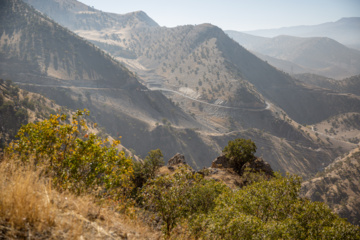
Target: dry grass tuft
[24, 202]
[31, 209]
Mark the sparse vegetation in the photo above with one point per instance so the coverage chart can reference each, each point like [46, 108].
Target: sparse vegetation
[338, 186]
[30, 208]
[81, 180]
[67, 157]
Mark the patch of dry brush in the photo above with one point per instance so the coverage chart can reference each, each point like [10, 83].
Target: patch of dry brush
[31, 209]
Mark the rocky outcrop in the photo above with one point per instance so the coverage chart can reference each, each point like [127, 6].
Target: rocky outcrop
[176, 160]
[221, 162]
[258, 165]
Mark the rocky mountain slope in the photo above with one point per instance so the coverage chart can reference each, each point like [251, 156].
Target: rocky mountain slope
[318, 55]
[347, 85]
[338, 186]
[344, 127]
[19, 107]
[225, 91]
[13, 112]
[76, 15]
[225, 72]
[215, 89]
[166, 58]
[44, 57]
[345, 31]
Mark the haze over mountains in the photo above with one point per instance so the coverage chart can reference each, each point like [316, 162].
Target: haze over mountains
[318, 55]
[190, 89]
[345, 31]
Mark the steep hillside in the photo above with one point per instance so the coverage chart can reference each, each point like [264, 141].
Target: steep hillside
[347, 85]
[302, 103]
[202, 62]
[345, 31]
[345, 127]
[13, 111]
[339, 187]
[76, 15]
[43, 57]
[322, 56]
[227, 91]
[286, 66]
[45, 47]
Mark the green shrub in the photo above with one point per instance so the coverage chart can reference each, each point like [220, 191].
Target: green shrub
[146, 170]
[202, 195]
[75, 160]
[201, 201]
[273, 210]
[240, 151]
[183, 196]
[166, 195]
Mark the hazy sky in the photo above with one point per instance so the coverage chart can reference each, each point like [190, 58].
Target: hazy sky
[239, 15]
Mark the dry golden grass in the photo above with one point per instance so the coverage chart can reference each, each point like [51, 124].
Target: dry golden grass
[31, 209]
[23, 201]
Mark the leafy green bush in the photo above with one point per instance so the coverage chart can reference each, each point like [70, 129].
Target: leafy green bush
[202, 195]
[201, 201]
[183, 195]
[146, 170]
[75, 160]
[273, 210]
[166, 195]
[240, 151]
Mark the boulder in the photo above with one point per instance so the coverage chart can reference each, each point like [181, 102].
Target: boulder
[177, 159]
[258, 165]
[221, 162]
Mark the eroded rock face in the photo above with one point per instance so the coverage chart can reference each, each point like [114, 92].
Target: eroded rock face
[258, 165]
[221, 162]
[177, 159]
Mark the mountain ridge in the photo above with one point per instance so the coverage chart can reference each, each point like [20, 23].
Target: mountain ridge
[344, 30]
[230, 78]
[318, 55]
[69, 12]
[110, 97]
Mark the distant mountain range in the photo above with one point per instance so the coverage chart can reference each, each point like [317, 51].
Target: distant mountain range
[318, 55]
[345, 31]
